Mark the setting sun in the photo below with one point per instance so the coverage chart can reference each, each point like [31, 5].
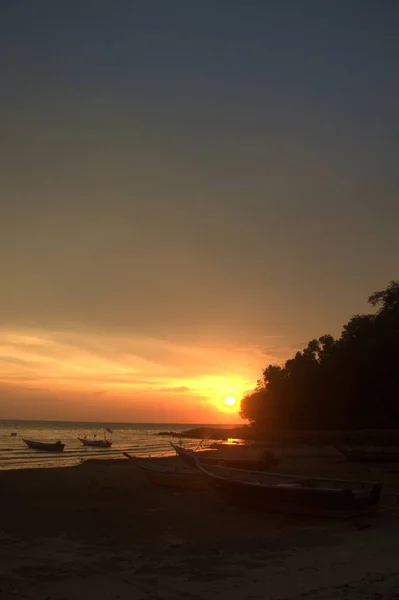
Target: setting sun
[230, 401]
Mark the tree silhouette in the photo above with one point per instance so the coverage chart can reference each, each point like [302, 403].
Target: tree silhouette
[351, 382]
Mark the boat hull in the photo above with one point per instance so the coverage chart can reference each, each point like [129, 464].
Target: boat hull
[96, 443]
[370, 456]
[293, 494]
[168, 476]
[250, 464]
[44, 446]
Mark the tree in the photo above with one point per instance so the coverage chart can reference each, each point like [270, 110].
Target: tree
[351, 382]
[388, 299]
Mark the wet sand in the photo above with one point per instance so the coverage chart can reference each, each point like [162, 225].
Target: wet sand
[100, 530]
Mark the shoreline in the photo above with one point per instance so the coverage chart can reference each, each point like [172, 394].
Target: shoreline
[14, 455]
[289, 449]
[246, 433]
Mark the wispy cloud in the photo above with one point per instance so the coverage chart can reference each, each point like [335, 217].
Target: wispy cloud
[145, 371]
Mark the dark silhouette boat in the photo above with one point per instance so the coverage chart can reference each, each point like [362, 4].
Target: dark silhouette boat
[376, 455]
[274, 492]
[169, 475]
[46, 446]
[251, 464]
[95, 443]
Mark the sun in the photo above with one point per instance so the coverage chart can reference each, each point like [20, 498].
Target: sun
[230, 401]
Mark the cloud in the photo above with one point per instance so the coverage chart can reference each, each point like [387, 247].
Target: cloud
[14, 360]
[134, 372]
[178, 388]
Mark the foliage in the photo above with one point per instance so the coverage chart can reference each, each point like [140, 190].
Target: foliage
[346, 383]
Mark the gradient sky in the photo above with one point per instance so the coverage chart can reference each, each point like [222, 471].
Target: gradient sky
[188, 191]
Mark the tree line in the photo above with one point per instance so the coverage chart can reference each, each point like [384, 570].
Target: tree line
[346, 383]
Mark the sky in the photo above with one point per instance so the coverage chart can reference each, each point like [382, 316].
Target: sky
[188, 192]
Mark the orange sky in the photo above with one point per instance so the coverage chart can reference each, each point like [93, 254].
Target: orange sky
[76, 376]
[186, 195]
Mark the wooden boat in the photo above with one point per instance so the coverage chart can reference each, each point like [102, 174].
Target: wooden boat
[292, 494]
[95, 443]
[13, 434]
[363, 455]
[170, 475]
[251, 464]
[46, 446]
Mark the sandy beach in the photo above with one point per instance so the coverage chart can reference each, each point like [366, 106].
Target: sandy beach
[100, 530]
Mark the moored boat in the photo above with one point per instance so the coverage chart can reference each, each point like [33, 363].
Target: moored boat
[46, 446]
[95, 443]
[274, 492]
[251, 464]
[170, 475]
[364, 455]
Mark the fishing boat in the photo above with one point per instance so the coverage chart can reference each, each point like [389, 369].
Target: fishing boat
[170, 475]
[95, 443]
[376, 455]
[274, 492]
[190, 457]
[46, 446]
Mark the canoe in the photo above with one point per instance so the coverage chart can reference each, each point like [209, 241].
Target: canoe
[170, 475]
[95, 443]
[379, 455]
[46, 446]
[251, 464]
[274, 492]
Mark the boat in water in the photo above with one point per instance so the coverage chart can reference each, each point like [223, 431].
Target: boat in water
[190, 457]
[46, 446]
[170, 475]
[94, 443]
[376, 455]
[275, 492]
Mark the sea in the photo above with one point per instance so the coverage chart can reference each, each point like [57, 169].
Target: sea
[139, 439]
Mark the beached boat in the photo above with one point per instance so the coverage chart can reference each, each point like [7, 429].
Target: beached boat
[95, 443]
[274, 492]
[376, 455]
[46, 446]
[251, 464]
[170, 475]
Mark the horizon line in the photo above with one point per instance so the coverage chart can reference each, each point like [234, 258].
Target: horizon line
[120, 422]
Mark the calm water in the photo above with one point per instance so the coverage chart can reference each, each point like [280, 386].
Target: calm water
[140, 439]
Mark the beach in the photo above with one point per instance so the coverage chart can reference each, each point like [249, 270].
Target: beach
[101, 530]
